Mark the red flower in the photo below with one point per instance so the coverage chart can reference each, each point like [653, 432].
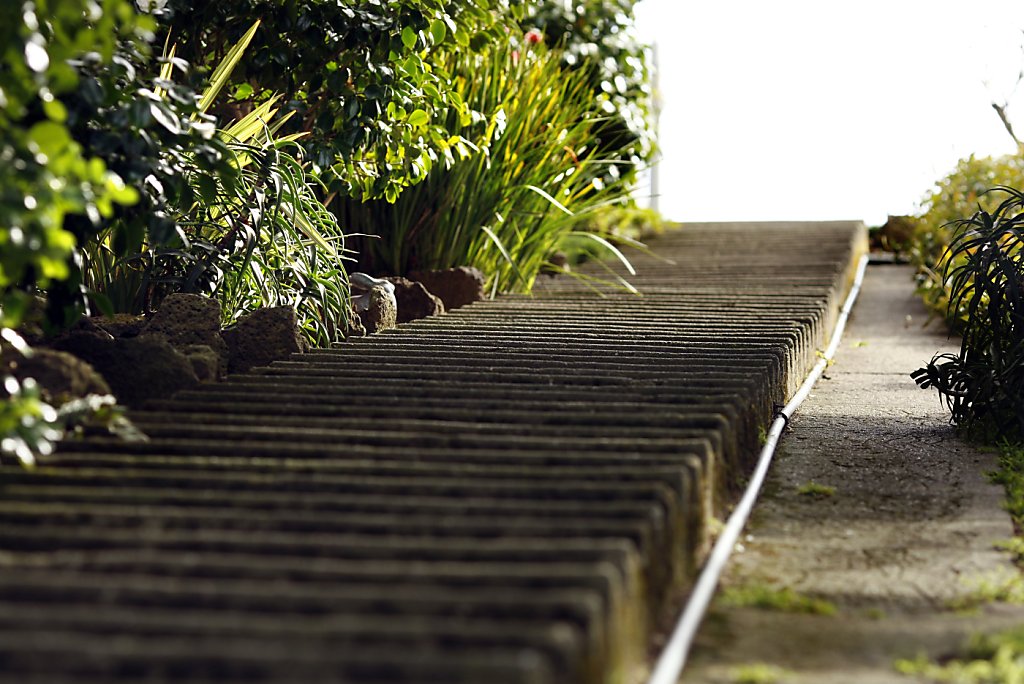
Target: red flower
[533, 37]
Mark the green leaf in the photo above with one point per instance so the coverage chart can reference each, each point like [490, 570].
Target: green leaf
[409, 38]
[243, 91]
[610, 247]
[549, 198]
[223, 71]
[207, 188]
[49, 138]
[55, 111]
[419, 118]
[165, 117]
[504, 252]
[437, 31]
[35, 54]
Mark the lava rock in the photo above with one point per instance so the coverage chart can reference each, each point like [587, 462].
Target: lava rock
[119, 325]
[374, 301]
[414, 300]
[378, 310]
[187, 320]
[60, 375]
[262, 337]
[454, 286]
[206, 362]
[355, 325]
[137, 369]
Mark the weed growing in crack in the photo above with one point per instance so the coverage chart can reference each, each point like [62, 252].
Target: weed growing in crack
[1015, 547]
[784, 600]
[759, 673]
[1008, 588]
[1011, 476]
[987, 659]
[817, 491]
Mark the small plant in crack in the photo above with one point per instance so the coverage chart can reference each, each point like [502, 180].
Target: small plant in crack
[987, 658]
[982, 590]
[759, 673]
[784, 600]
[815, 490]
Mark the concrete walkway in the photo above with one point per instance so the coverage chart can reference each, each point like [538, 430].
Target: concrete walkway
[910, 526]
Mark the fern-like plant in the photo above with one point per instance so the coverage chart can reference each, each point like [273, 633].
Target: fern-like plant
[983, 385]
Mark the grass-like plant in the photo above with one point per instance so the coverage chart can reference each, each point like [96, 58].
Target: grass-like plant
[983, 385]
[529, 177]
[268, 241]
[1011, 476]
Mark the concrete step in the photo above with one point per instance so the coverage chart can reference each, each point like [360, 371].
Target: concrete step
[517, 491]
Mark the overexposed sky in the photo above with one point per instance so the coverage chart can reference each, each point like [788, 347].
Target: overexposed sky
[826, 109]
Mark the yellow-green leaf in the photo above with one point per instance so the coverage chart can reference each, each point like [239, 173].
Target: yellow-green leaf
[409, 38]
[223, 71]
[419, 118]
[437, 31]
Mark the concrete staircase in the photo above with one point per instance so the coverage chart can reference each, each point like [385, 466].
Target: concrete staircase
[518, 491]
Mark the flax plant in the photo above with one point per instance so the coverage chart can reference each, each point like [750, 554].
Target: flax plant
[531, 175]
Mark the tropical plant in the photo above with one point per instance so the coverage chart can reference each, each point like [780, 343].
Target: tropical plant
[983, 385]
[268, 241]
[153, 132]
[362, 77]
[507, 208]
[253, 236]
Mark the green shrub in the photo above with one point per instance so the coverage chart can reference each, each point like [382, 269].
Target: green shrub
[362, 77]
[958, 195]
[509, 207]
[983, 385]
[152, 132]
[55, 189]
[28, 425]
[253, 237]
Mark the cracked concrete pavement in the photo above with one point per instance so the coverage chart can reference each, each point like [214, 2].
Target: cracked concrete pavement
[910, 527]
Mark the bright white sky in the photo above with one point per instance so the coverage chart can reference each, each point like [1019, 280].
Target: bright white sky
[826, 109]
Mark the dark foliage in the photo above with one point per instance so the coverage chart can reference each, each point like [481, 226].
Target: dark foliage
[157, 144]
[983, 385]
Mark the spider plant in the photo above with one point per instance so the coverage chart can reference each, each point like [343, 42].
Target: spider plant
[529, 176]
[983, 385]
